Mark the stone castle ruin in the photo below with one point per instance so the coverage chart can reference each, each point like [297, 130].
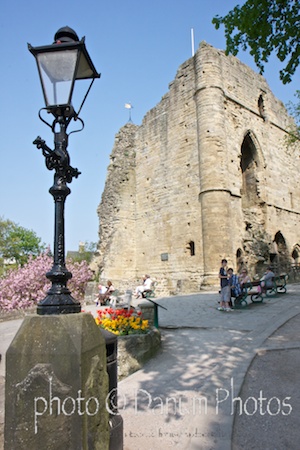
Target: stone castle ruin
[207, 175]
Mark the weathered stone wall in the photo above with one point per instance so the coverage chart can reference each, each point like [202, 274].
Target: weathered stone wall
[207, 175]
[117, 211]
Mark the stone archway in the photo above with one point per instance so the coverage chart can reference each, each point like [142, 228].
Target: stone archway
[295, 272]
[281, 258]
[256, 241]
[239, 259]
[296, 255]
[249, 165]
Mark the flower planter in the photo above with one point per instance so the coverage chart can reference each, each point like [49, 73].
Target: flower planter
[135, 350]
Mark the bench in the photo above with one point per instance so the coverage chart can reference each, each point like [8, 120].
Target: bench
[150, 293]
[113, 298]
[281, 282]
[107, 298]
[241, 300]
[270, 291]
[278, 287]
[256, 295]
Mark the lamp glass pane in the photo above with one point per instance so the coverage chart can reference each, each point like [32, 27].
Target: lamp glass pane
[57, 71]
[84, 69]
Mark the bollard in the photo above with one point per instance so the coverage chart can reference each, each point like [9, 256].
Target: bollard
[115, 419]
[128, 298]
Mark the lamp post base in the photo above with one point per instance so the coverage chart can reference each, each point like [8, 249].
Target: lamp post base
[58, 304]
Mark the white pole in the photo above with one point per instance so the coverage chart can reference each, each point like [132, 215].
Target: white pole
[129, 106]
[192, 40]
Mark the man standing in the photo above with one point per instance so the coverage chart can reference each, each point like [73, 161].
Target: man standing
[225, 287]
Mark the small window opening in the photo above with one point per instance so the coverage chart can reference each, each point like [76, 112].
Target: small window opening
[261, 107]
[191, 248]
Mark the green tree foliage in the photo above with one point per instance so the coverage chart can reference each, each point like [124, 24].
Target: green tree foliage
[85, 253]
[294, 110]
[17, 242]
[265, 26]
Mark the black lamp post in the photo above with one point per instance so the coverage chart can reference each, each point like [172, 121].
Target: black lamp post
[59, 65]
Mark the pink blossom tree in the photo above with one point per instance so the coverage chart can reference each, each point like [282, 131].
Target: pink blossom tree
[26, 286]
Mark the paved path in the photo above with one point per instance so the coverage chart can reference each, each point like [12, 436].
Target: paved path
[184, 397]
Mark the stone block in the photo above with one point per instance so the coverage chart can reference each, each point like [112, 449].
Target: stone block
[56, 385]
[135, 350]
[147, 309]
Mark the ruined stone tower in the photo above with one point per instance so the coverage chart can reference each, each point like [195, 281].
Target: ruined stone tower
[207, 175]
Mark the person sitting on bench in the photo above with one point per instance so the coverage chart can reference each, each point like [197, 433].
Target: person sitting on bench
[244, 277]
[146, 286]
[105, 293]
[234, 285]
[267, 280]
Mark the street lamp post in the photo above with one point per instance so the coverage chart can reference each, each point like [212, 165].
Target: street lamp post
[59, 66]
[56, 351]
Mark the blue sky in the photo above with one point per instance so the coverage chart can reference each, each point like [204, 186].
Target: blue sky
[137, 46]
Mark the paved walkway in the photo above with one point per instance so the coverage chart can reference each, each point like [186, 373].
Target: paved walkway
[210, 363]
[184, 398]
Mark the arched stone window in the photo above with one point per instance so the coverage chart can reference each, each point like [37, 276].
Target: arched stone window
[282, 259]
[249, 164]
[261, 107]
[296, 255]
[296, 262]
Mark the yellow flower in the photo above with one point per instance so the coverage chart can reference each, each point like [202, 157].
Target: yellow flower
[119, 322]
